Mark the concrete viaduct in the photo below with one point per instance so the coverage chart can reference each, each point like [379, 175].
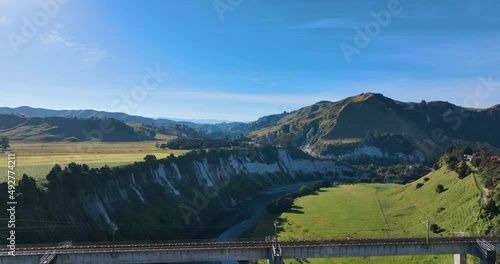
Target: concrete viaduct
[273, 251]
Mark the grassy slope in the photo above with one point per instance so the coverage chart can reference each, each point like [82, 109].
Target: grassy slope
[381, 210]
[36, 159]
[362, 108]
[370, 114]
[52, 129]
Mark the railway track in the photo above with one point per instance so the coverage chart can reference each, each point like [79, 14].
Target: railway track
[40, 249]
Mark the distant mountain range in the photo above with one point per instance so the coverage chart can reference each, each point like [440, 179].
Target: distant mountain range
[211, 129]
[48, 129]
[366, 124]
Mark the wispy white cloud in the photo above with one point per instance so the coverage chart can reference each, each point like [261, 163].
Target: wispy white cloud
[52, 37]
[262, 82]
[89, 55]
[268, 99]
[5, 20]
[329, 23]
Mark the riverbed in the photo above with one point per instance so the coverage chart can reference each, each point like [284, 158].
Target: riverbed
[255, 208]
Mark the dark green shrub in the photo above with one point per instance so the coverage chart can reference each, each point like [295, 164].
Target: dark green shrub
[490, 210]
[435, 228]
[150, 158]
[462, 169]
[476, 162]
[451, 162]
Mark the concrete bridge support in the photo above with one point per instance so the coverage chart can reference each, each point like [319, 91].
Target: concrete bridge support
[485, 251]
[275, 254]
[459, 259]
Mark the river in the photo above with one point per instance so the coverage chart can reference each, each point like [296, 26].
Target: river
[255, 208]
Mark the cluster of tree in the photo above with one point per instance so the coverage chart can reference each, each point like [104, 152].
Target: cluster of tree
[454, 158]
[4, 143]
[486, 169]
[458, 165]
[489, 171]
[489, 210]
[187, 143]
[388, 142]
[285, 203]
[150, 158]
[399, 173]
[32, 202]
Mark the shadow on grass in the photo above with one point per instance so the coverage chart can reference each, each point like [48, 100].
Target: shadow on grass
[296, 210]
[440, 230]
[293, 211]
[444, 190]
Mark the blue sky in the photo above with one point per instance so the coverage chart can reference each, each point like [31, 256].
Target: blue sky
[242, 59]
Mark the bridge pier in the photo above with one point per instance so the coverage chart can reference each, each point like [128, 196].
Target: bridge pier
[485, 251]
[459, 259]
[490, 259]
[275, 254]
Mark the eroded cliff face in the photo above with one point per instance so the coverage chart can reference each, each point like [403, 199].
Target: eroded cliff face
[170, 198]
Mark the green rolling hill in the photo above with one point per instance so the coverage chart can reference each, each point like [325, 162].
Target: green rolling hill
[334, 128]
[56, 129]
[383, 211]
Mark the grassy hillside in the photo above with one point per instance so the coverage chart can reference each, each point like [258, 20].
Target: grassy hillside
[52, 129]
[231, 129]
[165, 132]
[370, 113]
[382, 211]
[324, 126]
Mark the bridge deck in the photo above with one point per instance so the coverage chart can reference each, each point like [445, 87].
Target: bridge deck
[241, 250]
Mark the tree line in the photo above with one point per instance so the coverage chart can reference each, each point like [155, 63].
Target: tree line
[191, 143]
[285, 203]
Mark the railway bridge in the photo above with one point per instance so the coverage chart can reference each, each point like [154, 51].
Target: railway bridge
[273, 251]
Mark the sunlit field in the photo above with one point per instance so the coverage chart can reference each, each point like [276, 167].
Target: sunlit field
[36, 159]
[380, 211]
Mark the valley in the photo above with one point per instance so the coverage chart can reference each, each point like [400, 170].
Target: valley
[249, 132]
[178, 181]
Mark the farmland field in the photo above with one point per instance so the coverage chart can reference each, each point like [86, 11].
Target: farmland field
[36, 159]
